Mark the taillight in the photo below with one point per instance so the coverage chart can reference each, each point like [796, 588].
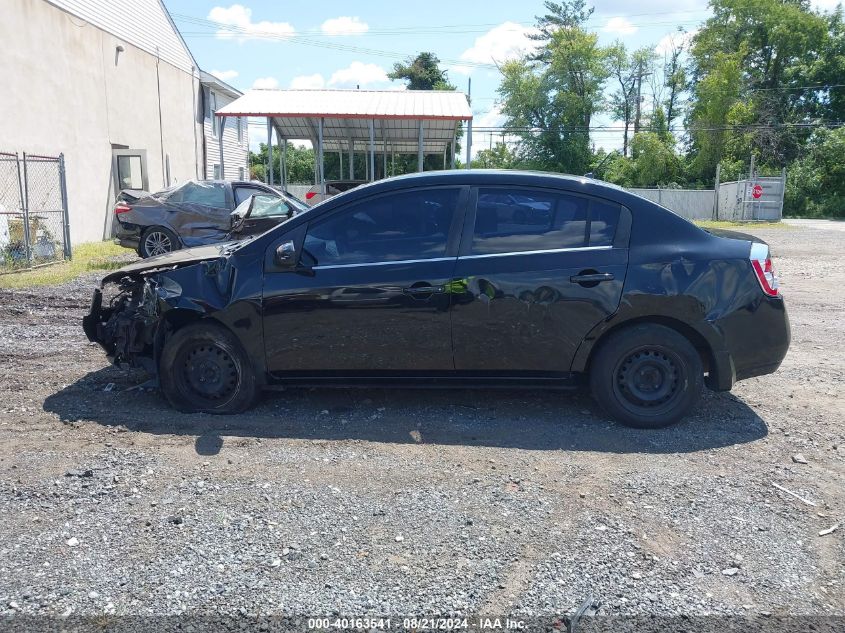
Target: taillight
[121, 207]
[761, 262]
[310, 195]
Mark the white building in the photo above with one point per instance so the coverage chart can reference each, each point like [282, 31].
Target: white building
[113, 86]
[235, 147]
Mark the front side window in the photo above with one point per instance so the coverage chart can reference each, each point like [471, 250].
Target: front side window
[525, 220]
[392, 227]
[242, 193]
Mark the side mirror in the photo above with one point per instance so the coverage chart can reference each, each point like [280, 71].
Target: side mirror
[286, 254]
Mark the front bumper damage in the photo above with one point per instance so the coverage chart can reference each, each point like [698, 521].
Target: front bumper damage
[128, 326]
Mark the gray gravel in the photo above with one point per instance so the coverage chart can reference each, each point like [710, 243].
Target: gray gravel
[367, 502]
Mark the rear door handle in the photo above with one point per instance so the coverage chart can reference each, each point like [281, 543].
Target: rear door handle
[591, 278]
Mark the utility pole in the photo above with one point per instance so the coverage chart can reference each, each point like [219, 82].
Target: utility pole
[640, 74]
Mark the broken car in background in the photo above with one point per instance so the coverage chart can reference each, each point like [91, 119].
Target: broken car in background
[195, 213]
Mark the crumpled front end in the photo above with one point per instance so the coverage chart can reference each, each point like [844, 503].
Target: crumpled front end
[126, 328]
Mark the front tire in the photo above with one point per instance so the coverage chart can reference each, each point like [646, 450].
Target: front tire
[203, 368]
[158, 240]
[647, 376]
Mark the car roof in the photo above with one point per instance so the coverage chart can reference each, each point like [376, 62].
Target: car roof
[492, 177]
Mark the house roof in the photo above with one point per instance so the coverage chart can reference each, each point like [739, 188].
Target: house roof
[207, 79]
[347, 114]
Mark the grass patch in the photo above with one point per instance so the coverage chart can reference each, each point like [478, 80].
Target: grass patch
[726, 224]
[86, 257]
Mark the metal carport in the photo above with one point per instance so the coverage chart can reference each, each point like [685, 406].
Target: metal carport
[385, 122]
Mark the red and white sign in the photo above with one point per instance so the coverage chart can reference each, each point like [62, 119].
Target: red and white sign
[757, 191]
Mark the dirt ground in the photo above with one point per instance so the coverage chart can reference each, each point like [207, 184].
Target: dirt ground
[366, 502]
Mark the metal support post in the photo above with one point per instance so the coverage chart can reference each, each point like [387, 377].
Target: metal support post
[469, 143]
[68, 252]
[284, 164]
[716, 191]
[420, 165]
[220, 143]
[322, 172]
[24, 189]
[268, 174]
[372, 160]
[351, 158]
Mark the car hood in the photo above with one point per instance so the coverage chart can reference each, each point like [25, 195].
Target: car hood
[175, 259]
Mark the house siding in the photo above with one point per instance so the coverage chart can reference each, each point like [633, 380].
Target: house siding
[142, 23]
[235, 153]
[76, 95]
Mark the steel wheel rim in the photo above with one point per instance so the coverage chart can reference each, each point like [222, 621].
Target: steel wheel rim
[157, 243]
[208, 373]
[648, 380]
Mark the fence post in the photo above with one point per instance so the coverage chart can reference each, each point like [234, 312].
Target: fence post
[782, 192]
[68, 252]
[25, 202]
[716, 192]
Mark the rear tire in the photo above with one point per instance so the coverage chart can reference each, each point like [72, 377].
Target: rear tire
[158, 240]
[647, 376]
[203, 368]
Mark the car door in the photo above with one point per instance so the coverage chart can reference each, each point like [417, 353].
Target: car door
[371, 292]
[201, 212]
[532, 287]
[265, 212]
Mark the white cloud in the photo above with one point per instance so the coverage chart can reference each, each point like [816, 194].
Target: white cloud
[507, 41]
[308, 82]
[620, 26]
[676, 39]
[345, 25]
[824, 5]
[238, 19]
[224, 75]
[266, 83]
[358, 73]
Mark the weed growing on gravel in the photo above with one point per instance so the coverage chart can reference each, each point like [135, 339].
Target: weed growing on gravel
[86, 257]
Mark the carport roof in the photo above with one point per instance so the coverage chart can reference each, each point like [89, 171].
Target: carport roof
[346, 115]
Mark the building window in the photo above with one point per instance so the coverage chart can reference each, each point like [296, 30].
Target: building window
[215, 120]
[217, 174]
[240, 131]
[240, 173]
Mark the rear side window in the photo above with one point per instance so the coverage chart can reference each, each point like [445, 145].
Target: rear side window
[525, 220]
[393, 227]
[604, 218]
[211, 194]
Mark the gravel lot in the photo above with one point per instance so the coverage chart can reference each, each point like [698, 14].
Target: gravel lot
[367, 502]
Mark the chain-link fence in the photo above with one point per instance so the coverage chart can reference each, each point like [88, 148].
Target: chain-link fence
[33, 210]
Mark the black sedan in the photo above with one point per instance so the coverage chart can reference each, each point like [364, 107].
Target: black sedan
[417, 280]
[195, 213]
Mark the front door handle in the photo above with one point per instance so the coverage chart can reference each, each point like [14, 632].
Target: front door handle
[590, 277]
[423, 290]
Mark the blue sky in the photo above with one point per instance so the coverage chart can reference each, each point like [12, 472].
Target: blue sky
[332, 44]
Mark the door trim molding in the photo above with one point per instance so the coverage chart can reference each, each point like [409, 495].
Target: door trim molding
[398, 261]
[541, 252]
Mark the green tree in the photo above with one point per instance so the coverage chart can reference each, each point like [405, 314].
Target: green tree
[552, 101]
[422, 72]
[499, 157]
[815, 184]
[753, 54]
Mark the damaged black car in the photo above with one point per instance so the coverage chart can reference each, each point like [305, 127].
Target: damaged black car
[445, 279]
[197, 212]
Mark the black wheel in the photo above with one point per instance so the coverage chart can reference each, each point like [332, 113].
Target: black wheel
[204, 368]
[647, 376]
[158, 240]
